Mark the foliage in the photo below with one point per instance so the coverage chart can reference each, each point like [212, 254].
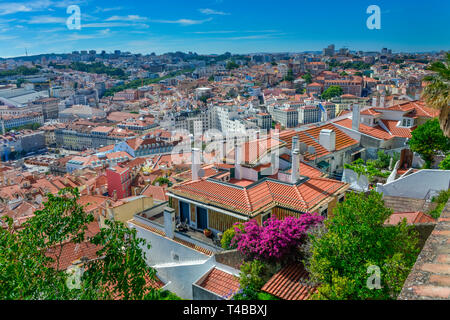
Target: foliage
[383, 160]
[231, 65]
[22, 70]
[428, 139]
[441, 201]
[31, 126]
[445, 164]
[331, 92]
[98, 68]
[228, 236]
[254, 274]
[437, 93]
[275, 239]
[290, 76]
[356, 239]
[162, 181]
[307, 77]
[367, 169]
[266, 296]
[30, 266]
[143, 82]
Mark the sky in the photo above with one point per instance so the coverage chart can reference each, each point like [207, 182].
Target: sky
[218, 26]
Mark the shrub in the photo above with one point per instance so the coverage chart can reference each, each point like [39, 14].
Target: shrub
[228, 236]
[254, 274]
[275, 239]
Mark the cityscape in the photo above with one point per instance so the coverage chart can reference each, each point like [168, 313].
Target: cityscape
[241, 170]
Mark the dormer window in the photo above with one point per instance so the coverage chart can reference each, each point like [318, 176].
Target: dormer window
[407, 122]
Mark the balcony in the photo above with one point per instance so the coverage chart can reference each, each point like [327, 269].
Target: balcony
[154, 217]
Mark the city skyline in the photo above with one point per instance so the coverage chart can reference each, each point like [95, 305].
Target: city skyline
[207, 27]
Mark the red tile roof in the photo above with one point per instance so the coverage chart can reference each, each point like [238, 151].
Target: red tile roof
[417, 108]
[268, 193]
[221, 283]
[411, 218]
[290, 283]
[311, 138]
[376, 132]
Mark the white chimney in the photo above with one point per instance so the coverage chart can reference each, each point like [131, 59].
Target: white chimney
[237, 160]
[295, 160]
[382, 101]
[327, 138]
[374, 102]
[195, 165]
[355, 117]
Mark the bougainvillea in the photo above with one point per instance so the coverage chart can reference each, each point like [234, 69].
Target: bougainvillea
[275, 238]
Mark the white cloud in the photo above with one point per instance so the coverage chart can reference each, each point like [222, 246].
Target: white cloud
[183, 22]
[113, 25]
[46, 20]
[213, 12]
[35, 5]
[127, 18]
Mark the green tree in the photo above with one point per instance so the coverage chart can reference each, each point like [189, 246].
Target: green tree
[356, 239]
[30, 257]
[331, 92]
[307, 77]
[427, 140]
[437, 93]
[231, 65]
[445, 164]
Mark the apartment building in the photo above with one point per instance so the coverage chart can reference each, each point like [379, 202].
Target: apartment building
[49, 107]
[353, 86]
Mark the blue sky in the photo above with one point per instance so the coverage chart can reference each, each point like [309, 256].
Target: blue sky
[216, 26]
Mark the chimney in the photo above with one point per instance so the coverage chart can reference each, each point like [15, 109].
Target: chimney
[295, 160]
[237, 160]
[374, 102]
[327, 138]
[195, 166]
[355, 117]
[169, 222]
[115, 195]
[224, 150]
[382, 101]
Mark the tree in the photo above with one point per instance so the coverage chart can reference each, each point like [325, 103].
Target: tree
[290, 76]
[30, 257]
[445, 164]
[331, 92]
[437, 93]
[307, 77]
[428, 139]
[367, 169]
[231, 65]
[357, 239]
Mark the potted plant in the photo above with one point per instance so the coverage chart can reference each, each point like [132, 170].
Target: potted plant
[207, 232]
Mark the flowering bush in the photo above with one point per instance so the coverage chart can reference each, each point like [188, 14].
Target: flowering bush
[275, 238]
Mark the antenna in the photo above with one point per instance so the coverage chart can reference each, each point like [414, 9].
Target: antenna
[26, 52]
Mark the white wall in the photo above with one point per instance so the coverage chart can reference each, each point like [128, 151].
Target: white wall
[418, 184]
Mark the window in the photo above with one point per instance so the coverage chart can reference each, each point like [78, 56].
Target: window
[265, 217]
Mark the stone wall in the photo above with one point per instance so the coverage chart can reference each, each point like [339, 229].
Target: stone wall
[430, 277]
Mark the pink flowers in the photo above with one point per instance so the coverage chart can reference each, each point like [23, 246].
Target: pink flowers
[275, 238]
